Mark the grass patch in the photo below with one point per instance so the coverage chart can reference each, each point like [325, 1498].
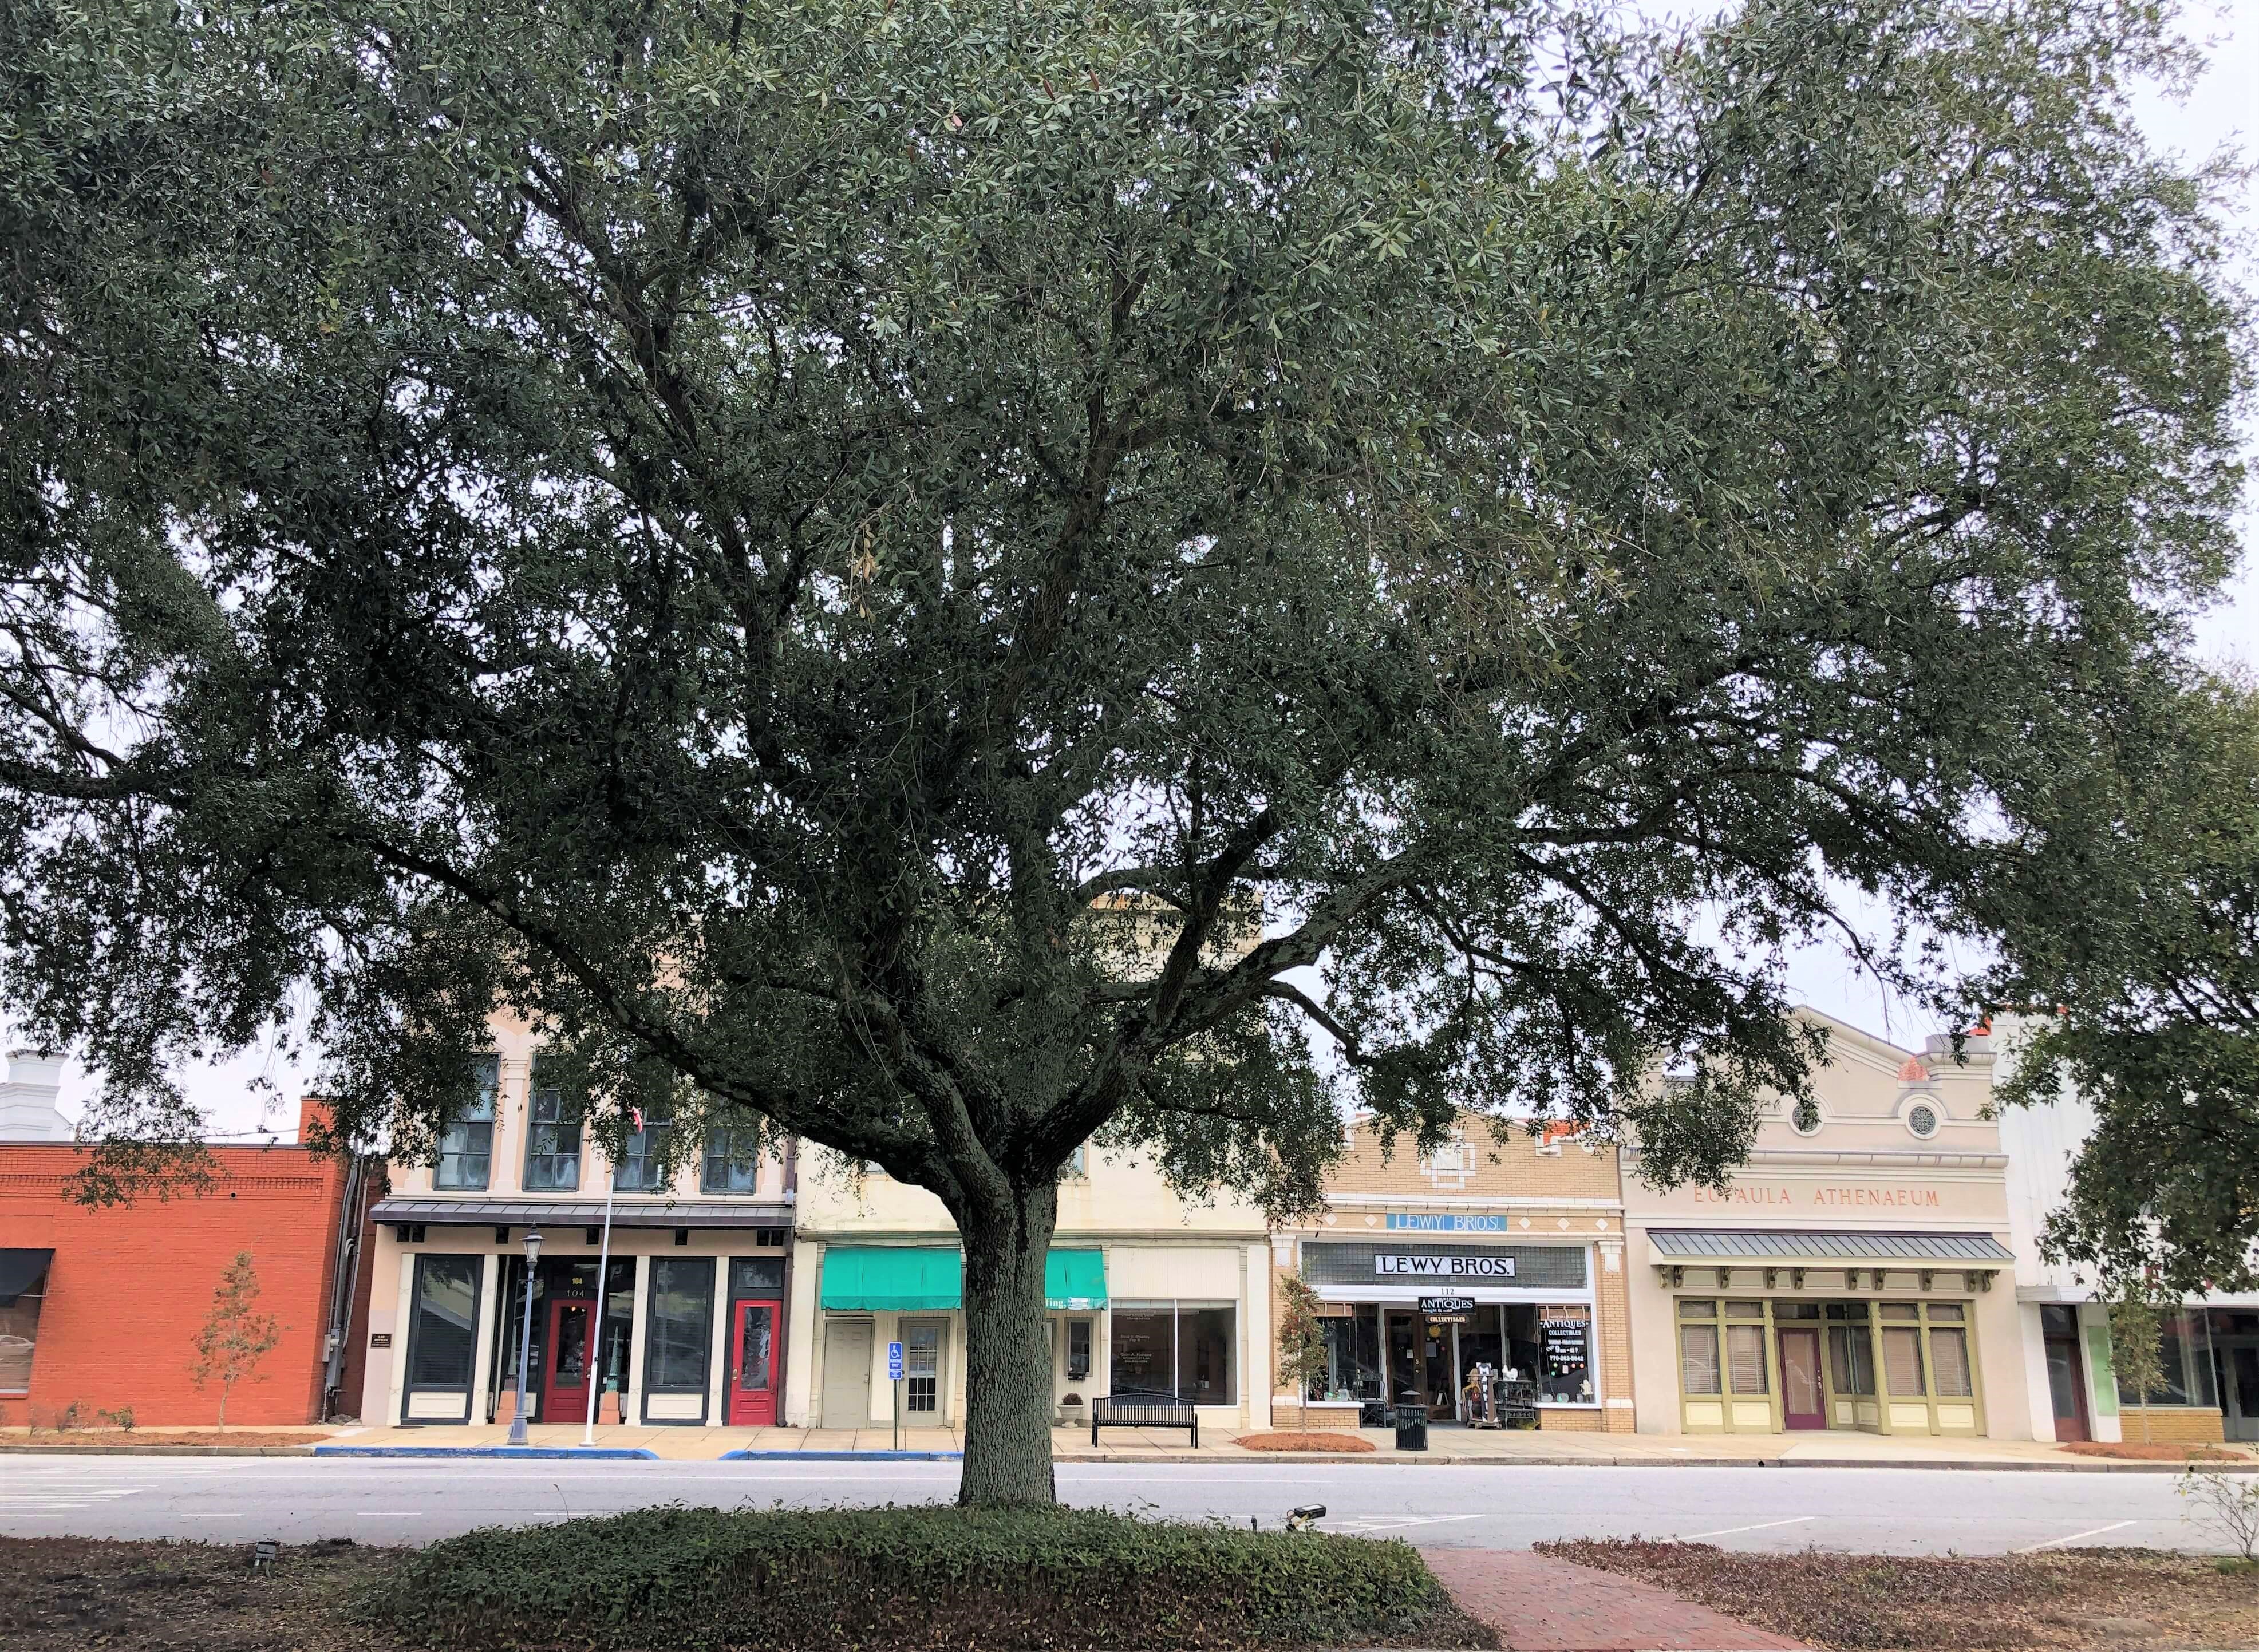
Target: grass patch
[2127, 1600]
[892, 1580]
[1303, 1440]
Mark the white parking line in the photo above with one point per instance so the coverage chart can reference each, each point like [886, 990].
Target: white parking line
[2054, 1542]
[1727, 1531]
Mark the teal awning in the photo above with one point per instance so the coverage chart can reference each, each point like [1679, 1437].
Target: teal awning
[930, 1279]
[896, 1278]
[1074, 1279]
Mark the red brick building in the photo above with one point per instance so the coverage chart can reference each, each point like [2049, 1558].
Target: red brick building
[100, 1308]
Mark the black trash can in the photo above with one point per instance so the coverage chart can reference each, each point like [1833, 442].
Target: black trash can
[1411, 1427]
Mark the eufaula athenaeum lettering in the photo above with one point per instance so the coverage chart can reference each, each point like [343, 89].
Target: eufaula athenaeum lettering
[1838, 1197]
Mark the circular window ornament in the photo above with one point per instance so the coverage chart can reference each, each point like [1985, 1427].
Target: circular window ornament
[1921, 1119]
[1804, 1117]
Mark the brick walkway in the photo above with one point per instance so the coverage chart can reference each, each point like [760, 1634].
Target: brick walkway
[1540, 1605]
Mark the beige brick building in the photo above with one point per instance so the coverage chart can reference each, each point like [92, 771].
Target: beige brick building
[1508, 1252]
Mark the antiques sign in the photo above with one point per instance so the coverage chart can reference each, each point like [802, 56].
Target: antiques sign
[1447, 1310]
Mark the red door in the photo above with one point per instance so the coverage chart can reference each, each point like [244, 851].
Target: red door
[1803, 1400]
[753, 1365]
[565, 1376]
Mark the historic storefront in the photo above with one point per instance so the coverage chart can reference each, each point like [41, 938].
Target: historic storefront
[1144, 1293]
[1855, 1275]
[1497, 1252]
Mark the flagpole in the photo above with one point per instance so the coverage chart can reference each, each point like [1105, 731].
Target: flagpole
[603, 1301]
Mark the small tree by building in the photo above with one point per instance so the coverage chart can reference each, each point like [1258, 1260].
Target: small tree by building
[236, 1337]
[2136, 1359]
[1301, 1340]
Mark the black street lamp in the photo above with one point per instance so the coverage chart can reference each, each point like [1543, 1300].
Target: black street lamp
[526, 1336]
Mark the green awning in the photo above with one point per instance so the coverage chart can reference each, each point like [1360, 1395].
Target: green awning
[896, 1278]
[1074, 1279]
[929, 1280]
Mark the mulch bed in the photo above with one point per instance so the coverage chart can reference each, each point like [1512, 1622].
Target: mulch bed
[1313, 1439]
[2135, 1451]
[2123, 1600]
[68, 1594]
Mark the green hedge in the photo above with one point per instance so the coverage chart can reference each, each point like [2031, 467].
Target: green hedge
[885, 1580]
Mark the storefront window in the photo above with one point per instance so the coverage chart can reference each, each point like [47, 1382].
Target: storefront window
[1698, 1359]
[1178, 1348]
[681, 1324]
[1949, 1363]
[1565, 1343]
[2183, 1353]
[443, 1322]
[20, 1337]
[1851, 1358]
[1353, 1359]
[1902, 1360]
[1745, 1357]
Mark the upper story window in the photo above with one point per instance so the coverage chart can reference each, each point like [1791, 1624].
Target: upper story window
[644, 1167]
[732, 1161]
[1078, 1164]
[465, 1163]
[552, 1143]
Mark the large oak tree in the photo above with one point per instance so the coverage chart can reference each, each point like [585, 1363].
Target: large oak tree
[835, 555]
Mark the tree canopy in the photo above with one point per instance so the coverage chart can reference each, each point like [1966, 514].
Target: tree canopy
[957, 580]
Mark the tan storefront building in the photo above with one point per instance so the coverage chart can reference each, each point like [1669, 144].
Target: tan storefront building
[1144, 1292]
[1855, 1275]
[1508, 1254]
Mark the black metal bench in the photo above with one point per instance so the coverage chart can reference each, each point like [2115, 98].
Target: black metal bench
[1143, 1411]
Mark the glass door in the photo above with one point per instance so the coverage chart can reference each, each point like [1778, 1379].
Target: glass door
[2066, 1379]
[1803, 1401]
[753, 1366]
[564, 1381]
[2239, 1397]
[922, 1395]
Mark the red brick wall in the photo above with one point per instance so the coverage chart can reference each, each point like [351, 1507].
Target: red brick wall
[132, 1284]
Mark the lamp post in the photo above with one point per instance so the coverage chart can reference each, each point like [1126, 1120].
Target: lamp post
[526, 1336]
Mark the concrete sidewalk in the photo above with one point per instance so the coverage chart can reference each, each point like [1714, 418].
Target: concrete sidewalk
[1446, 1446]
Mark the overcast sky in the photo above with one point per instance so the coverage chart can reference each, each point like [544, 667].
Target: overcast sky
[2215, 115]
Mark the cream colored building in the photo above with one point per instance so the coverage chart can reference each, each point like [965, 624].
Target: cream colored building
[1857, 1274]
[687, 1328]
[1507, 1254]
[1146, 1290]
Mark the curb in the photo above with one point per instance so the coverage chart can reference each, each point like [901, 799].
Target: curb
[598, 1453]
[841, 1456]
[13, 1448]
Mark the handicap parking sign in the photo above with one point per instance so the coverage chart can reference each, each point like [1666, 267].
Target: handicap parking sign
[894, 1362]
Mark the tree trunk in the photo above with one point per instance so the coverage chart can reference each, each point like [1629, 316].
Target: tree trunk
[223, 1387]
[1008, 1375]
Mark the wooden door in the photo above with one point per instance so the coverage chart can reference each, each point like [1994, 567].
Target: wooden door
[567, 1360]
[847, 1374]
[753, 1364]
[1803, 1396]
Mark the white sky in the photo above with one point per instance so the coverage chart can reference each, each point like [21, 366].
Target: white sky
[2215, 115]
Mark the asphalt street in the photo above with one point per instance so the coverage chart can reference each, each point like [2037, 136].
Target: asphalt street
[388, 1500]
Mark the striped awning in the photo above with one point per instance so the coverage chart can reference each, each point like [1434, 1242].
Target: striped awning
[1673, 1245]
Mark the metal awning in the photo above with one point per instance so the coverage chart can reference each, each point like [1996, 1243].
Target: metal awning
[21, 1271]
[930, 1278]
[529, 1212]
[1730, 1246]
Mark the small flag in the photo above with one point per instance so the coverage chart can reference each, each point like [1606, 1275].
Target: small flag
[637, 1114]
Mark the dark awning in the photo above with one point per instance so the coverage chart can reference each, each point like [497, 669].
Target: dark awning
[20, 1270]
[1761, 1245]
[531, 1213]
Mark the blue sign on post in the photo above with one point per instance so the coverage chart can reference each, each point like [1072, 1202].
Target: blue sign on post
[894, 1362]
